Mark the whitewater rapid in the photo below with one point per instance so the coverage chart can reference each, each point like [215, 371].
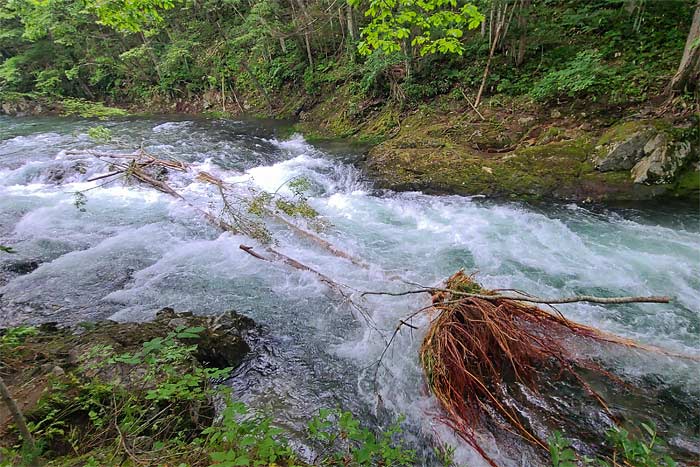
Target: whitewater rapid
[130, 251]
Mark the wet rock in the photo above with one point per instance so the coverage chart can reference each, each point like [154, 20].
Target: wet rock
[222, 342]
[21, 267]
[650, 150]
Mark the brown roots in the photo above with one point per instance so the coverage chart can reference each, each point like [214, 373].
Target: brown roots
[475, 346]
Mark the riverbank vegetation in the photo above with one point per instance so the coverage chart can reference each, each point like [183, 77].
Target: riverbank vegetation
[123, 395]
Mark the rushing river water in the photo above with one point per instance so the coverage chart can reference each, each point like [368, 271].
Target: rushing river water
[131, 250]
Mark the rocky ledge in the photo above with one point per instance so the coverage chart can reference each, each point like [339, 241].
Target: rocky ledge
[634, 160]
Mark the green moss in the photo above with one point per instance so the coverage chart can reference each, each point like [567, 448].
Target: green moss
[622, 131]
[687, 185]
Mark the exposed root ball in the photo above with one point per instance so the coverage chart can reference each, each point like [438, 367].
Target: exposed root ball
[475, 345]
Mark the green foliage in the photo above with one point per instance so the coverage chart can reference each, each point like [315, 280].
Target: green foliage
[100, 134]
[160, 395]
[640, 451]
[254, 53]
[445, 454]
[376, 77]
[14, 337]
[580, 76]
[353, 445]
[87, 109]
[80, 201]
[132, 16]
[634, 451]
[244, 438]
[157, 392]
[560, 451]
[6, 249]
[432, 26]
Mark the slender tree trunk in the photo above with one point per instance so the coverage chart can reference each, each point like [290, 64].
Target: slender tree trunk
[522, 40]
[16, 414]
[351, 23]
[307, 34]
[498, 28]
[688, 73]
[152, 56]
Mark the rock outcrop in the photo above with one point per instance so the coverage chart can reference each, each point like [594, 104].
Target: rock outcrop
[650, 150]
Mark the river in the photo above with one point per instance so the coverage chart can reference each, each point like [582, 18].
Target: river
[131, 250]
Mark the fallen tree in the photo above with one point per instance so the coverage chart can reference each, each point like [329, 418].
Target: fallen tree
[239, 213]
[480, 340]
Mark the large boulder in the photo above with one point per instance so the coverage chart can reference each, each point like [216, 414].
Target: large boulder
[621, 147]
[662, 160]
[650, 150]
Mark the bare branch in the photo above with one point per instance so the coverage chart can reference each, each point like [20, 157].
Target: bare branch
[532, 299]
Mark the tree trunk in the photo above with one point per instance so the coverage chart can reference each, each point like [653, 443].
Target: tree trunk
[522, 40]
[16, 414]
[307, 34]
[351, 23]
[688, 73]
[498, 29]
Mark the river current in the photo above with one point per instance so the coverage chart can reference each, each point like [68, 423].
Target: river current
[130, 250]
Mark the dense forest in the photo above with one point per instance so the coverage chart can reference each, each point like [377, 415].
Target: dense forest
[263, 54]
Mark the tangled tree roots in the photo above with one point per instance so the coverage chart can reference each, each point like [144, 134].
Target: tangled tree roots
[475, 345]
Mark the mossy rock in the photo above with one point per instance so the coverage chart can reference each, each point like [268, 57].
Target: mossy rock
[557, 170]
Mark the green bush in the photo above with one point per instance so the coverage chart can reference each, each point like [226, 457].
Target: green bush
[584, 75]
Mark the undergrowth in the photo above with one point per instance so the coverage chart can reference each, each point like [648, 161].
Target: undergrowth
[159, 406]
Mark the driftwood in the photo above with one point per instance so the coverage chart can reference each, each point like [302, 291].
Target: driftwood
[342, 290]
[326, 245]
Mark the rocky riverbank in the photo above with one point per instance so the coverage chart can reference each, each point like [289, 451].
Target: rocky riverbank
[517, 149]
[512, 149]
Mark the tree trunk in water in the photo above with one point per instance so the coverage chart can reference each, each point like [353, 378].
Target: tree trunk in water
[688, 73]
[16, 414]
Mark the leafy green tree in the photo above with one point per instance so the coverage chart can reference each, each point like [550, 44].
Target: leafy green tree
[432, 26]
